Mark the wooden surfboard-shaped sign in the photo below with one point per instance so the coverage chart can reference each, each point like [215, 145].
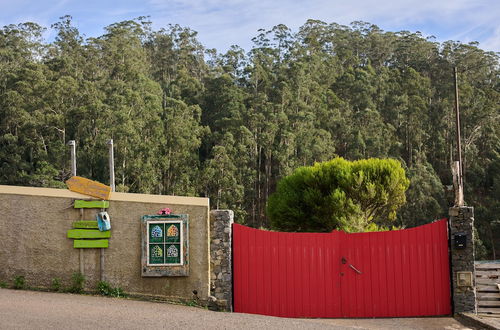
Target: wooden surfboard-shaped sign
[88, 187]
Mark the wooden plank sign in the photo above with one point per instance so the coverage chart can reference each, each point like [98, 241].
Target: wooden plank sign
[90, 244]
[79, 204]
[88, 187]
[85, 224]
[88, 233]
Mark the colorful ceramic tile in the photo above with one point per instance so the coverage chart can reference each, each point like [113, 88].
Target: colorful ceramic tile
[173, 233]
[156, 233]
[173, 254]
[156, 254]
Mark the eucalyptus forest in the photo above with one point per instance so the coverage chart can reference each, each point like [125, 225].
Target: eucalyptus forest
[188, 120]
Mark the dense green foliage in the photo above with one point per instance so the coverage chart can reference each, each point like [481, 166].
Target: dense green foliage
[190, 121]
[77, 283]
[105, 289]
[351, 196]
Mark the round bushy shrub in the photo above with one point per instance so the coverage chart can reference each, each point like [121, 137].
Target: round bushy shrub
[355, 196]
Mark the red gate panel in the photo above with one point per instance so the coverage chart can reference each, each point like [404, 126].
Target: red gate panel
[381, 274]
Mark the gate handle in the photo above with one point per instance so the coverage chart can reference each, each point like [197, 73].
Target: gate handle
[355, 269]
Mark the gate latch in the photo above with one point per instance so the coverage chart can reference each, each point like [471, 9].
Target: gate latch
[355, 269]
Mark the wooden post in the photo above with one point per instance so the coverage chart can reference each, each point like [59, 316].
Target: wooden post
[457, 168]
[457, 184]
[81, 250]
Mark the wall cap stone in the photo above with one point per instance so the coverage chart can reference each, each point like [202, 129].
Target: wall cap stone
[115, 196]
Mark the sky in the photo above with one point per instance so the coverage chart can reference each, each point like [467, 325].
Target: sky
[222, 23]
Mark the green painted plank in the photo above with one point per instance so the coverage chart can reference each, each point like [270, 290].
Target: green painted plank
[85, 224]
[90, 244]
[79, 204]
[88, 233]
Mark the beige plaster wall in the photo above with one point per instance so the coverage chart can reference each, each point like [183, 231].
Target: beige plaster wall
[34, 224]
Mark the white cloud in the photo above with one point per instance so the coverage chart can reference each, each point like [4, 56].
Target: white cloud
[222, 23]
[492, 42]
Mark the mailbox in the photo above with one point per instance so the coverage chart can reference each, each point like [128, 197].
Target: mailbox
[460, 241]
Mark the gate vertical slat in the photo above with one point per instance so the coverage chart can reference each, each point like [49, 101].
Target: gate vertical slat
[445, 272]
[236, 258]
[313, 292]
[317, 275]
[244, 269]
[383, 277]
[369, 281]
[325, 277]
[311, 274]
[267, 302]
[391, 292]
[429, 285]
[446, 296]
[306, 279]
[320, 276]
[344, 285]
[251, 266]
[425, 280]
[283, 274]
[405, 264]
[411, 285]
[398, 272]
[273, 265]
[434, 271]
[421, 272]
[291, 273]
[375, 289]
[359, 263]
[437, 270]
[332, 272]
[259, 271]
[297, 248]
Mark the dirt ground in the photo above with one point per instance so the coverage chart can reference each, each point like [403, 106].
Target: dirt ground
[43, 310]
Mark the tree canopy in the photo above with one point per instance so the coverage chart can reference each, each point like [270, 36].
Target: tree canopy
[352, 196]
[187, 120]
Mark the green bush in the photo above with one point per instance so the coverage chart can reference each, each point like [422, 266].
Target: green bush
[3, 285]
[77, 283]
[19, 282]
[106, 289]
[353, 196]
[56, 284]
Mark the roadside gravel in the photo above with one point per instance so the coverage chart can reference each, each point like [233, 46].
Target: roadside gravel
[44, 310]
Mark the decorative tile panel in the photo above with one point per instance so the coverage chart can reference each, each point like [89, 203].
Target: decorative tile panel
[165, 245]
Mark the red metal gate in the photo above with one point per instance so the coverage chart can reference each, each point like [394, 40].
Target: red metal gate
[380, 274]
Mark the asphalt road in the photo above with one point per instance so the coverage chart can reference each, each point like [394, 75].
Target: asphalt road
[44, 310]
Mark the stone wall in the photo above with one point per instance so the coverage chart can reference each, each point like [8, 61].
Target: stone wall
[220, 260]
[462, 260]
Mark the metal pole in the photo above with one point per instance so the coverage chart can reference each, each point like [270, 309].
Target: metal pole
[72, 145]
[459, 143]
[111, 165]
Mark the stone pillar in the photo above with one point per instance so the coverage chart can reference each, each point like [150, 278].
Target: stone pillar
[462, 259]
[221, 276]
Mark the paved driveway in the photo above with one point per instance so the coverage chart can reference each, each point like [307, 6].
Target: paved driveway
[43, 310]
